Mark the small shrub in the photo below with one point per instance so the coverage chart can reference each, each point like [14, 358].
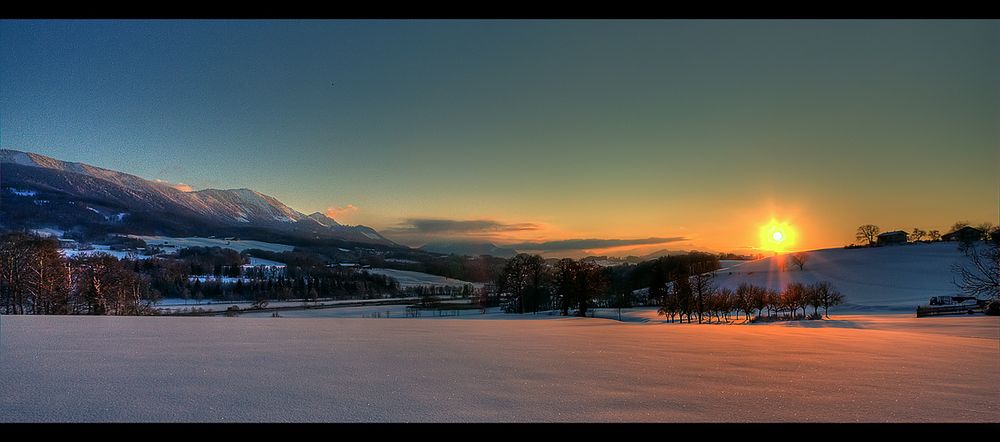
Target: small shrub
[814, 316]
[993, 308]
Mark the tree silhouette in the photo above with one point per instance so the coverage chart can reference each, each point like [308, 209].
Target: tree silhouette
[799, 259]
[980, 276]
[827, 294]
[867, 232]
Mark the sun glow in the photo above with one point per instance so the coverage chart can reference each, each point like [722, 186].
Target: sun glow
[777, 236]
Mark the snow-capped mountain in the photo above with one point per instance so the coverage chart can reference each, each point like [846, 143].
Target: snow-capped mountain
[119, 197]
[246, 206]
[323, 220]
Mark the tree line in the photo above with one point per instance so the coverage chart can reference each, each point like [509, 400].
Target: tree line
[695, 297]
[682, 286]
[867, 234]
[35, 278]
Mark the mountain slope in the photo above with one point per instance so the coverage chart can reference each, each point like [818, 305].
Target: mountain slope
[40, 189]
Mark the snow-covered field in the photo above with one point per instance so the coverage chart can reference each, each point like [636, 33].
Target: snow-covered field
[876, 280]
[213, 278]
[178, 305]
[238, 246]
[407, 278]
[254, 261]
[128, 369]
[398, 311]
[98, 249]
[48, 232]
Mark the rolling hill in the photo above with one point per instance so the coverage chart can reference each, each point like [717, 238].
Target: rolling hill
[892, 278]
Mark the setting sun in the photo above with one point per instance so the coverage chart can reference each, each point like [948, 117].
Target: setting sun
[776, 236]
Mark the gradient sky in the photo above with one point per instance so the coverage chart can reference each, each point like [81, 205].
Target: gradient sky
[642, 134]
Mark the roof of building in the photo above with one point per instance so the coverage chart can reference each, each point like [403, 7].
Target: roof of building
[893, 233]
[966, 229]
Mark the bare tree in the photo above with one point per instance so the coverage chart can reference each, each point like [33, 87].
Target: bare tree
[657, 285]
[827, 294]
[987, 228]
[523, 280]
[799, 259]
[726, 299]
[744, 295]
[917, 234]
[108, 286]
[959, 225]
[760, 299]
[867, 232]
[668, 306]
[774, 302]
[34, 277]
[934, 235]
[680, 289]
[794, 297]
[813, 299]
[701, 285]
[981, 276]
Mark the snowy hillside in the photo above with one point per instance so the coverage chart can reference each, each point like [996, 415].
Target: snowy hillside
[412, 279]
[32, 179]
[239, 246]
[245, 205]
[893, 278]
[240, 205]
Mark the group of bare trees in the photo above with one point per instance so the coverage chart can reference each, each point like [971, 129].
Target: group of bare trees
[692, 294]
[528, 284]
[525, 283]
[576, 284]
[36, 279]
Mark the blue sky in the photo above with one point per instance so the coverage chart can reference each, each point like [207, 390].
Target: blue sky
[584, 129]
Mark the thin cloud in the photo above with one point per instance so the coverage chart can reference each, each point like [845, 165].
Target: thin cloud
[179, 186]
[587, 244]
[440, 226]
[340, 212]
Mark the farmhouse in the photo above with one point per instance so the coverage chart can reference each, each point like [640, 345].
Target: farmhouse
[964, 234]
[891, 238]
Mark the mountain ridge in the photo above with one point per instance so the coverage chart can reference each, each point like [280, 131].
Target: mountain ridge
[85, 186]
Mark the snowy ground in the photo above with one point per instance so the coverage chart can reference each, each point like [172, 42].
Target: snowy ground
[254, 261]
[407, 278]
[978, 326]
[98, 249]
[128, 369]
[398, 312]
[177, 305]
[238, 246]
